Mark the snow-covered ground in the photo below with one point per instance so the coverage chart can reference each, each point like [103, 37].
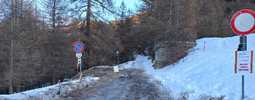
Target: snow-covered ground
[51, 92]
[200, 75]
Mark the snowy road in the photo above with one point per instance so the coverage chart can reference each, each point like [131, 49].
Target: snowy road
[130, 84]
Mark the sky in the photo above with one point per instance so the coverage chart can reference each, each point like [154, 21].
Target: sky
[131, 4]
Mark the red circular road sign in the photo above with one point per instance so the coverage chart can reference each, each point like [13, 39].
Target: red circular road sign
[243, 22]
[78, 47]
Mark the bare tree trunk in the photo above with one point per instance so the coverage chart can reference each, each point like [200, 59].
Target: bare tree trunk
[21, 14]
[177, 15]
[11, 65]
[170, 18]
[16, 10]
[54, 79]
[88, 19]
[87, 34]
[54, 17]
[18, 88]
[21, 8]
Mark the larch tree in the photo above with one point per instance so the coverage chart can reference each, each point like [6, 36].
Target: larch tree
[124, 26]
[54, 48]
[17, 23]
[55, 13]
[9, 16]
[91, 10]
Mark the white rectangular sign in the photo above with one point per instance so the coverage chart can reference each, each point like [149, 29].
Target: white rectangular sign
[115, 69]
[243, 62]
[78, 55]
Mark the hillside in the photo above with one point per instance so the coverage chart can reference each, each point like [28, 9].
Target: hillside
[204, 74]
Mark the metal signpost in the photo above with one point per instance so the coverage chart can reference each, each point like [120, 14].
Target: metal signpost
[117, 52]
[243, 23]
[78, 48]
[116, 68]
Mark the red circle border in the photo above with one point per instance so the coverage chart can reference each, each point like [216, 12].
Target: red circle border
[78, 42]
[232, 23]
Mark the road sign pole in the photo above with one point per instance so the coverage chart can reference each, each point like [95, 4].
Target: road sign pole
[78, 48]
[79, 62]
[242, 86]
[243, 40]
[80, 68]
[116, 68]
[117, 52]
[243, 23]
[118, 59]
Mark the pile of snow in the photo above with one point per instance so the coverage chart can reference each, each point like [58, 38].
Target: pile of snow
[51, 92]
[204, 74]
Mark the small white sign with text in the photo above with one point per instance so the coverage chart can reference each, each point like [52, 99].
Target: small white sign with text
[243, 62]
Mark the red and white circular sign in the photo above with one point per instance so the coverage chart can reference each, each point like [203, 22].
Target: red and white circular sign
[78, 47]
[243, 22]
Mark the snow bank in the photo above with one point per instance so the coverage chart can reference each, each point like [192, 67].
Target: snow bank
[204, 74]
[51, 92]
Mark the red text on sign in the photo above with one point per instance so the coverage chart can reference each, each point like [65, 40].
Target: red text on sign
[243, 69]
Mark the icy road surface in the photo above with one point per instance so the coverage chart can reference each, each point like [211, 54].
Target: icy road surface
[129, 84]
